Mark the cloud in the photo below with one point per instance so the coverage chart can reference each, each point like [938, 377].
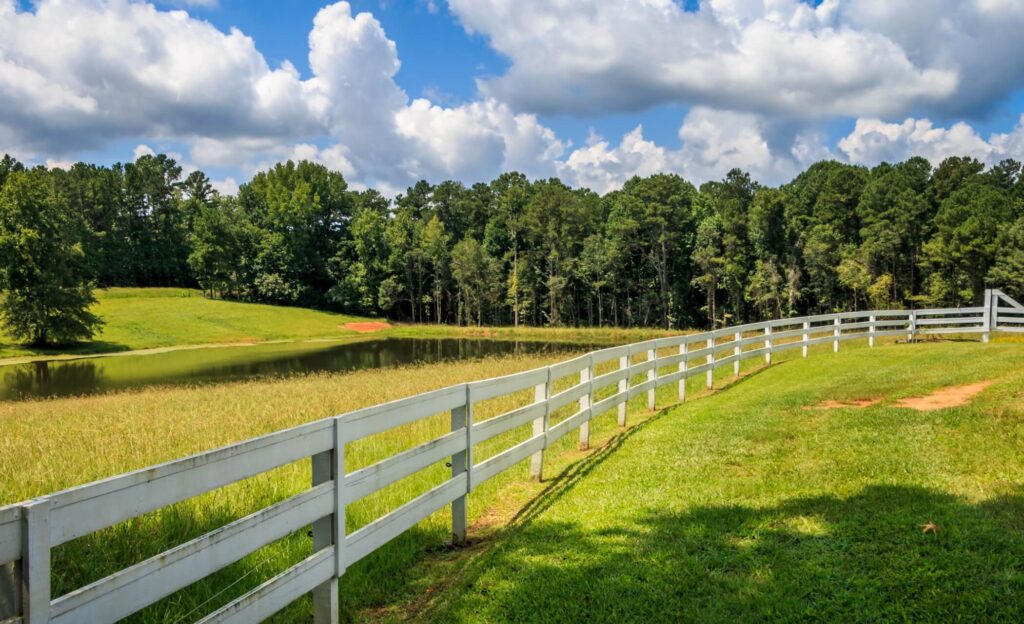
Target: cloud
[78, 75]
[782, 58]
[75, 74]
[713, 142]
[873, 141]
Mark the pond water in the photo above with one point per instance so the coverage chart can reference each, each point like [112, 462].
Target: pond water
[194, 366]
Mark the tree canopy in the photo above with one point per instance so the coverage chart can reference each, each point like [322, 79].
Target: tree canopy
[657, 252]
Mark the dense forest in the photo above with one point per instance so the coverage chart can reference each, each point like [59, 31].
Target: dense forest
[658, 252]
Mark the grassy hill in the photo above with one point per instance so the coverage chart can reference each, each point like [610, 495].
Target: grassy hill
[755, 504]
[146, 318]
[155, 318]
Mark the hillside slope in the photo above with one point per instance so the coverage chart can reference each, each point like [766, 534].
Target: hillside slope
[146, 318]
[758, 503]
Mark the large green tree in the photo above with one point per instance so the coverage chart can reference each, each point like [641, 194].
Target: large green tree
[43, 271]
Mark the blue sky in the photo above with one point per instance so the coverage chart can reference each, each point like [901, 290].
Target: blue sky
[593, 91]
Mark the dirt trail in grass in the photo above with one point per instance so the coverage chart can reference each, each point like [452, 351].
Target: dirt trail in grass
[954, 396]
[366, 327]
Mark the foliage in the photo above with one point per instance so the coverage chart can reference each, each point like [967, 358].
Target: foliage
[42, 264]
[659, 252]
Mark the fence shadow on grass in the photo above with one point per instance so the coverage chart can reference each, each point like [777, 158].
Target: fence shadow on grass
[864, 558]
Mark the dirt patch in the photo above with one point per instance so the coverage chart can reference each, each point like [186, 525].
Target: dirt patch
[367, 327]
[946, 397]
[855, 403]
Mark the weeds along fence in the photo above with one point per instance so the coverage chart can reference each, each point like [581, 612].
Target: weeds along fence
[587, 387]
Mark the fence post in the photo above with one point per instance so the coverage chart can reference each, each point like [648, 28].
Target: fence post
[35, 561]
[682, 369]
[871, 331]
[329, 466]
[585, 401]
[623, 387]
[986, 318]
[768, 345]
[711, 362]
[835, 335]
[540, 426]
[736, 351]
[652, 354]
[911, 326]
[459, 519]
[807, 335]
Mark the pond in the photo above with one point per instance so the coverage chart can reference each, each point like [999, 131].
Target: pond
[53, 378]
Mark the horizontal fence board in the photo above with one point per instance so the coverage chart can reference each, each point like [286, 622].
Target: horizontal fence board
[88, 508]
[568, 395]
[816, 341]
[893, 332]
[1007, 310]
[638, 348]
[642, 367]
[1013, 320]
[640, 388]
[555, 432]
[277, 593]
[134, 588]
[789, 333]
[1012, 329]
[498, 386]
[487, 429]
[672, 341]
[10, 534]
[699, 354]
[492, 466]
[952, 330]
[607, 379]
[381, 531]
[371, 420]
[672, 360]
[696, 370]
[950, 320]
[370, 479]
[612, 353]
[606, 404]
[963, 312]
[569, 367]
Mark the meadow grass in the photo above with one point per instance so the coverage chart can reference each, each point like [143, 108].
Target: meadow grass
[745, 505]
[147, 318]
[53, 444]
[721, 508]
[164, 318]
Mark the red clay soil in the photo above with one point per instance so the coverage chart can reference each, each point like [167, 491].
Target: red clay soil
[367, 327]
[855, 403]
[947, 397]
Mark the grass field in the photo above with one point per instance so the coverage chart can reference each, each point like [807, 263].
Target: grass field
[747, 506]
[740, 505]
[155, 318]
[147, 318]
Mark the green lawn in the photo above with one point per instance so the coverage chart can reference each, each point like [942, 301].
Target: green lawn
[145, 318]
[151, 318]
[746, 506]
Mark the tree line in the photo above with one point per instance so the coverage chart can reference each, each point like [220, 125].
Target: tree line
[658, 252]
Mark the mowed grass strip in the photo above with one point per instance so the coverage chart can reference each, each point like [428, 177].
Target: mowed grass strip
[147, 318]
[53, 444]
[746, 506]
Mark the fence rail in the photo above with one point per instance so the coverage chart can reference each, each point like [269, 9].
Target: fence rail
[29, 530]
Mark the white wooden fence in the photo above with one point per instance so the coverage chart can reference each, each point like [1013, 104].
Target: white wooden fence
[29, 530]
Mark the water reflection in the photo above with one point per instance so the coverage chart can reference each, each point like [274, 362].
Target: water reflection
[97, 375]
